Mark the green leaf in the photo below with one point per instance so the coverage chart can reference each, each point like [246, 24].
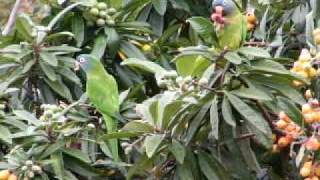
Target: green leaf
[252, 93]
[211, 167]
[160, 6]
[233, 57]
[253, 118]
[49, 58]
[191, 65]
[202, 26]
[255, 52]
[227, 112]
[113, 40]
[178, 150]
[148, 66]
[291, 109]
[5, 135]
[120, 135]
[59, 87]
[57, 164]
[78, 28]
[138, 126]
[269, 66]
[214, 118]
[25, 115]
[48, 71]
[24, 26]
[52, 148]
[152, 143]
[99, 46]
[77, 154]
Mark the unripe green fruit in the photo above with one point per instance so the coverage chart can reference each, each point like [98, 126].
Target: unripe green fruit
[94, 11]
[29, 163]
[112, 11]
[100, 22]
[103, 14]
[102, 6]
[110, 22]
[203, 82]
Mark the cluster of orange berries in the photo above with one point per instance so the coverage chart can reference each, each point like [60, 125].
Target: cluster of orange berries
[290, 129]
[251, 21]
[310, 170]
[311, 110]
[303, 67]
[316, 36]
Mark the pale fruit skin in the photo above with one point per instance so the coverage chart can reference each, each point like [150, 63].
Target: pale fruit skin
[94, 11]
[102, 6]
[306, 108]
[12, 177]
[308, 94]
[305, 171]
[146, 48]
[281, 124]
[312, 144]
[4, 174]
[100, 22]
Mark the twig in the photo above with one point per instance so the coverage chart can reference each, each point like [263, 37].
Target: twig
[12, 18]
[260, 44]
[245, 136]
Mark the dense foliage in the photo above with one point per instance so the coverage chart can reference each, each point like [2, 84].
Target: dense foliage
[190, 107]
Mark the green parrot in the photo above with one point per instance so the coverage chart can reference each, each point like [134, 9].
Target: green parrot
[102, 91]
[231, 24]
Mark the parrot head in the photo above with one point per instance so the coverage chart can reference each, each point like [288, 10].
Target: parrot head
[222, 9]
[85, 62]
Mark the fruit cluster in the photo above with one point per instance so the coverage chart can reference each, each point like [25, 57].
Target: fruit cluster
[316, 36]
[49, 111]
[7, 175]
[303, 67]
[30, 170]
[310, 170]
[251, 21]
[311, 111]
[102, 14]
[290, 129]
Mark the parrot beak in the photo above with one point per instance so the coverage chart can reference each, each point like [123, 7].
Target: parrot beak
[217, 15]
[76, 66]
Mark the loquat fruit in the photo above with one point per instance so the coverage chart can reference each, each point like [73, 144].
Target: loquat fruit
[251, 18]
[284, 116]
[308, 94]
[312, 72]
[312, 144]
[305, 55]
[306, 108]
[281, 124]
[275, 149]
[305, 171]
[4, 174]
[309, 117]
[12, 177]
[283, 142]
[250, 27]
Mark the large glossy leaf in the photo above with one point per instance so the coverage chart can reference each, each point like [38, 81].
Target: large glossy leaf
[160, 6]
[148, 66]
[49, 58]
[255, 52]
[152, 144]
[202, 26]
[178, 150]
[252, 116]
[191, 65]
[99, 46]
[5, 135]
[214, 118]
[78, 29]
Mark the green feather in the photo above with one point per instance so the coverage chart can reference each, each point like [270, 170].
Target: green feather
[102, 91]
[234, 31]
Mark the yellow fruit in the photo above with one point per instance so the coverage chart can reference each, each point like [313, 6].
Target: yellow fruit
[308, 164]
[4, 174]
[316, 32]
[312, 72]
[274, 138]
[309, 118]
[146, 48]
[297, 83]
[303, 74]
[284, 116]
[308, 94]
[250, 26]
[317, 170]
[317, 39]
[297, 66]
[283, 142]
[251, 18]
[306, 108]
[312, 144]
[12, 177]
[281, 124]
[305, 171]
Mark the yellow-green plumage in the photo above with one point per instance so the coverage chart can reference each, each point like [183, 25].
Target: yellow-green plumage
[102, 91]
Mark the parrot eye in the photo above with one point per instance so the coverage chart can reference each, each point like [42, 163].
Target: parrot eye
[82, 60]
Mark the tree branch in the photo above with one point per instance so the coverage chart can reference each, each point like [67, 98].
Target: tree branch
[12, 18]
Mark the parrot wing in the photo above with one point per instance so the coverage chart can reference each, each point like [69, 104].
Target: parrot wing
[102, 91]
